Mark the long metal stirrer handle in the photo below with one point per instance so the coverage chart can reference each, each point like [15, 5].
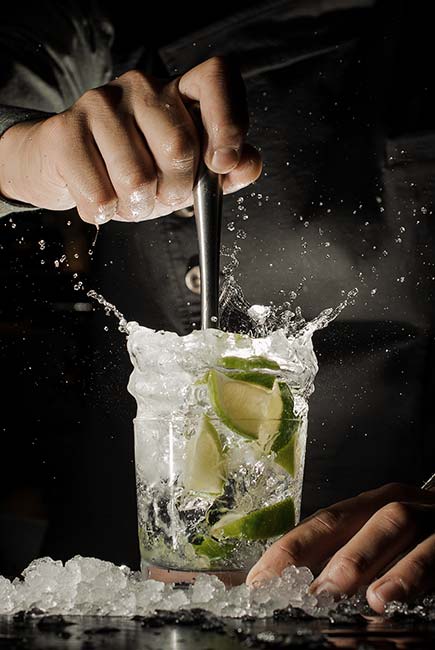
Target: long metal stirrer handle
[207, 200]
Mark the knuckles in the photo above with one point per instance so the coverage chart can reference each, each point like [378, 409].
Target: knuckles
[99, 101]
[218, 67]
[398, 516]
[350, 568]
[180, 150]
[328, 519]
[416, 567]
[133, 180]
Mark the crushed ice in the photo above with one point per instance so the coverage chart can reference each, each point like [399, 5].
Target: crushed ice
[87, 586]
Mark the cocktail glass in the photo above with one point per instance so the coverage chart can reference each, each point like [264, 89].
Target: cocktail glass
[220, 442]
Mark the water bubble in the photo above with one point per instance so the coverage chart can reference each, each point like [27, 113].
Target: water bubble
[41, 244]
[231, 227]
[241, 234]
[373, 292]
[423, 210]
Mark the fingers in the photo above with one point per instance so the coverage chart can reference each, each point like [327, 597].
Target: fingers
[318, 538]
[246, 172]
[219, 89]
[310, 543]
[387, 534]
[83, 171]
[130, 149]
[129, 165]
[412, 575]
[172, 139]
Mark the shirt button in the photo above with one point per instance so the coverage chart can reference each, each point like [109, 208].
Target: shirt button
[193, 280]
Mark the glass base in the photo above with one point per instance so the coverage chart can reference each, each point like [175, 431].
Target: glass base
[229, 578]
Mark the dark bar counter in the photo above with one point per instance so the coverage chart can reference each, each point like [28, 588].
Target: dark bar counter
[178, 631]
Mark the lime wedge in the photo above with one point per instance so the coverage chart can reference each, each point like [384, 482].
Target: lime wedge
[241, 399]
[279, 433]
[212, 549]
[264, 523]
[258, 406]
[285, 455]
[250, 363]
[205, 460]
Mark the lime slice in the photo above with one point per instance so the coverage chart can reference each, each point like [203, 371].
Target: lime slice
[264, 523]
[279, 433]
[285, 455]
[241, 399]
[259, 407]
[250, 363]
[212, 549]
[205, 460]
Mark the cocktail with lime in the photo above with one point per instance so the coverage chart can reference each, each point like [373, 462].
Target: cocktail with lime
[220, 443]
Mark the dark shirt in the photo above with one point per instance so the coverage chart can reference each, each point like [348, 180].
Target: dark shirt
[342, 110]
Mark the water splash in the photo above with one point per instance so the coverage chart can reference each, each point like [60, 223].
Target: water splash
[237, 315]
[109, 308]
[257, 321]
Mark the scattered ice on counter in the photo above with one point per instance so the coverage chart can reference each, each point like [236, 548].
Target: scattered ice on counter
[87, 586]
[425, 609]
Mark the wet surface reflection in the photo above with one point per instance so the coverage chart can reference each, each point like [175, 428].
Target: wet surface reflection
[89, 633]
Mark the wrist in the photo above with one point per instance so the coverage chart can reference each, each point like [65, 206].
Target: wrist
[15, 170]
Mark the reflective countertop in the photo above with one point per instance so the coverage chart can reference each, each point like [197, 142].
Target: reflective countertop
[175, 632]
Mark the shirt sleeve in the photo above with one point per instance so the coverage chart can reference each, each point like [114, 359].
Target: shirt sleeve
[51, 53]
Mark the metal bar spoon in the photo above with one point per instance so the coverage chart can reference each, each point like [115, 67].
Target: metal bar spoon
[207, 202]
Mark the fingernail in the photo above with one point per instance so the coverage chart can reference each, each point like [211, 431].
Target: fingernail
[139, 196]
[141, 204]
[105, 213]
[254, 578]
[326, 585]
[388, 591]
[225, 159]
